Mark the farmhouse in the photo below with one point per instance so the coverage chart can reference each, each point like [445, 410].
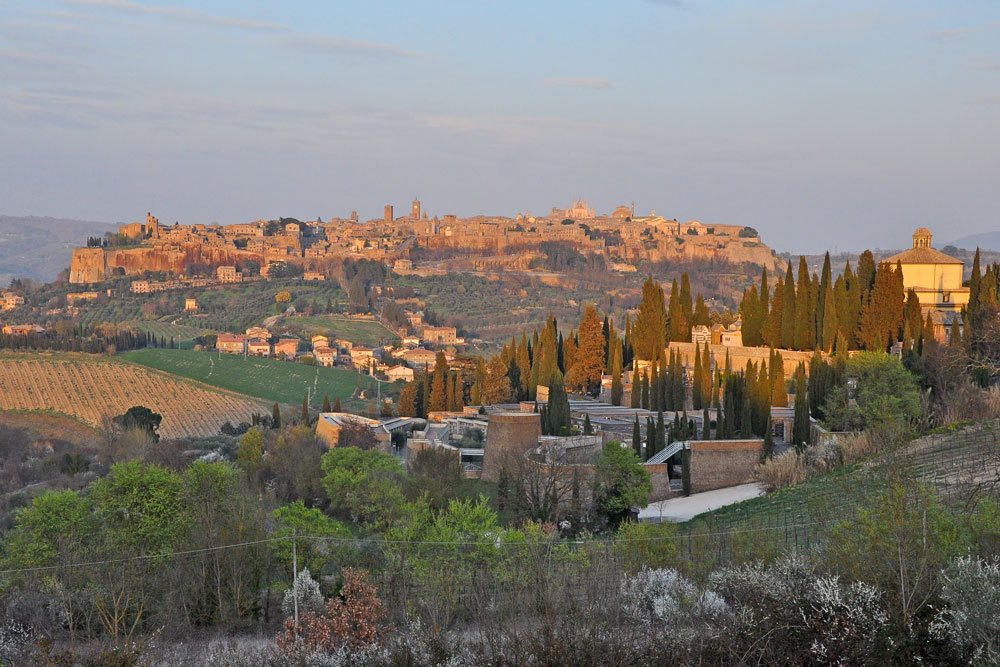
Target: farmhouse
[286, 347]
[231, 343]
[400, 372]
[258, 347]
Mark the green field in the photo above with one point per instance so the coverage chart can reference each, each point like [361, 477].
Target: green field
[364, 332]
[271, 379]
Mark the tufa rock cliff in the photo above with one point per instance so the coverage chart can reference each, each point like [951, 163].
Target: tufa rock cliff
[90, 265]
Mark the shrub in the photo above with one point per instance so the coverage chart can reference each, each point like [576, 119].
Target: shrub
[665, 597]
[310, 598]
[783, 470]
[351, 620]
[970, 623]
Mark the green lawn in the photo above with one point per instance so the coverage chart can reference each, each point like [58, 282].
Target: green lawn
[364, 332]
[270, 379]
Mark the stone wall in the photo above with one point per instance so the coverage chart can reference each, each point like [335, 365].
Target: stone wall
[87, 265]
[717, 464]
[739, 355]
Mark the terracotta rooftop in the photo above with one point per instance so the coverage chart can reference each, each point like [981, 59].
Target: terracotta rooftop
[922, 256]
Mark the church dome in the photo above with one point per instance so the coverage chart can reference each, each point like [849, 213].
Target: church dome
[922, 231]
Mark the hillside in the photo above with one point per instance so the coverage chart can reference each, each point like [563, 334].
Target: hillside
[986, 241]
[270, 379]
[39, 247]
[92, 388]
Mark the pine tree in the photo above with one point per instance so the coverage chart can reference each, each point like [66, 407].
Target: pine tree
[326, 404]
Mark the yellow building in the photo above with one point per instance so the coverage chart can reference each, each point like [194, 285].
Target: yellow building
[934, 276]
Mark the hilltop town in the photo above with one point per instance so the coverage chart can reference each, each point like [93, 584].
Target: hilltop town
[415, 242]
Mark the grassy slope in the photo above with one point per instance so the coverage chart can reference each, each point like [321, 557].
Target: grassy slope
[271, 379]
[364, 332]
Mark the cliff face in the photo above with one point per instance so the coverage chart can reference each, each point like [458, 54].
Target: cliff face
[93, 264]
[87, 265]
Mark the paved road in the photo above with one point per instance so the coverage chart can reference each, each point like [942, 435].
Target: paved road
[684, 509]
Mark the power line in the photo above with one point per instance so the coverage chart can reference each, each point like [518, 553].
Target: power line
[371, 540]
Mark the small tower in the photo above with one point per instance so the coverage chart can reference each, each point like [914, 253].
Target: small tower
[922, 238]
[388, 212]
[416, 209]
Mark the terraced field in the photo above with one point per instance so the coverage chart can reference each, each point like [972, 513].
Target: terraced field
[92, 388]
[271, 379]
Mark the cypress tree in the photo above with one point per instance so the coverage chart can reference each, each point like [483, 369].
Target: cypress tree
[767, 452]
[655, 397]
[706, 426]
[637, 438]
[305, 411]
[635, 399]
[696, 380]
[336, 403]
[645, 391]
[616, 374]
[974, 284]
[828, 322]
[661, 435]
[650, 438]
[588, 428]
[800, 425]
[275, 417]
[706, 376]
[804, 318]
[788, 310]
[326, 404]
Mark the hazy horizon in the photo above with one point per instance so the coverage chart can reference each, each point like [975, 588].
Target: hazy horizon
[824, 127]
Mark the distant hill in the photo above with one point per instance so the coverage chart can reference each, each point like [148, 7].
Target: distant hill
[38, 247]
[986, 241]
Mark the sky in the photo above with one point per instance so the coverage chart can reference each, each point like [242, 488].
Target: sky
[824, 125]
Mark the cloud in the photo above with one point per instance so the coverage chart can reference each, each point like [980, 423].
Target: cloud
[593, 84]
[181, 14]
[953, 33]
[337, 45]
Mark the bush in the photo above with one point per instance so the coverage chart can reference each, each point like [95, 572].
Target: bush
[783, 470]
[970, 622]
